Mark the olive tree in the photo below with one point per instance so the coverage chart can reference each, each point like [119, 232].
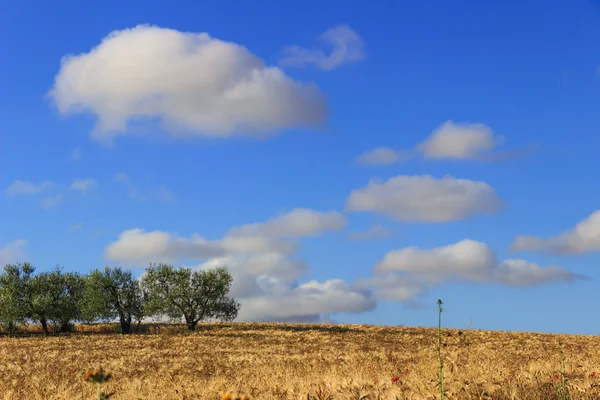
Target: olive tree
[14, 281]
[53, 297]
[193, 295]
[113, 293]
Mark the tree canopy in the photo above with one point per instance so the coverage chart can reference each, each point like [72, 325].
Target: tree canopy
[192, 295]
[57, 299]
[113, 293]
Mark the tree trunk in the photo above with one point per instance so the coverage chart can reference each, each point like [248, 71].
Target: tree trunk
[191, 324]
[65, 327]
[12, 328]
[44, 325]
[125, 324]
[137, 327]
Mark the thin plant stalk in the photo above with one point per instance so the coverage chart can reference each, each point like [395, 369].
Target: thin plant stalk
[439, 352]
[564, 392]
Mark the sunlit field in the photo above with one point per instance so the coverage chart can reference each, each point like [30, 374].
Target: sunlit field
[293, 361]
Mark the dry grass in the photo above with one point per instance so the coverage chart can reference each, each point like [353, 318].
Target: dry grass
[292, 361]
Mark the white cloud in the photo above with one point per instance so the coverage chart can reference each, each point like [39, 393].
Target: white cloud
[251, 271]
[425, 198]
[583, 238]
[274, 264]
[459, 141]
[463, 258]
[159, 193]
[26, 188]
[394, 287]
[51, 202]
[261, 258]
[256, 244]
[164, 195]
[347, 46]
[515, 272]
[449, 141]
[295, 223]
[12, 252]
[306, 301]
[194, 84]
[375, 231]
[132, 191]
[383, 156]
[468, 260]
[83, 185]
[138, 246]
[76, 154]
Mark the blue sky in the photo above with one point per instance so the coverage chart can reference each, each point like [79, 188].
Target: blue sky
[484, 114]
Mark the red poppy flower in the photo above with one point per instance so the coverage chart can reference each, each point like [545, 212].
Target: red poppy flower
[593, 374]
[395, 379]
[406, 372]
[555, 376]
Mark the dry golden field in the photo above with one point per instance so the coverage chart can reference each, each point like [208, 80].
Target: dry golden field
[293, 361]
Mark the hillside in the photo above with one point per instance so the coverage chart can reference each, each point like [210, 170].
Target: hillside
[293, 361]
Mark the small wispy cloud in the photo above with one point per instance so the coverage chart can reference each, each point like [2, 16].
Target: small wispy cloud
[164, 195]
[13, 252]
[27, 188]
[76, 226]
[383, 156]
[160, 193]
[449, 141]
[374, 232]
[83, 185]
[346, 47]
[132, 191]
[51, 202]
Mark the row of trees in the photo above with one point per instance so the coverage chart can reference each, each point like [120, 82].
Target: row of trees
[56, 299]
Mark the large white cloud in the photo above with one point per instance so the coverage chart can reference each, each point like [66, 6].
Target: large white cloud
[193, 83]
[136, 246]
[13, 252]
[269, 237]
[298, 222]
[346, 47]
[394, 287]
[459, 141]
[425, 198]
[261, 258]
[250, 270]
[584, 237]
[306, 301]
[468, 260]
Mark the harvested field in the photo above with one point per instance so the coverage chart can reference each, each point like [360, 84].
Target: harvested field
[293, 361]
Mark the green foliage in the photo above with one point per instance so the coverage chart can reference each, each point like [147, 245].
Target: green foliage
[112, 293]
[56, 299]
[53, 298]
[98, 377]
[193, 295]
[14, 281]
